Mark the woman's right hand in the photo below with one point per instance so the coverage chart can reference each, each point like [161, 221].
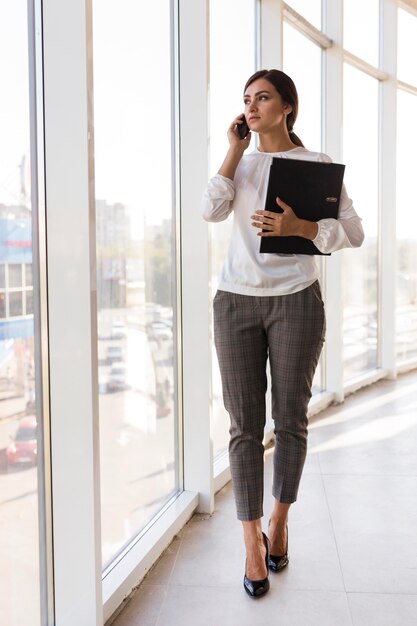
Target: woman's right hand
[233, 136]
[236, 149]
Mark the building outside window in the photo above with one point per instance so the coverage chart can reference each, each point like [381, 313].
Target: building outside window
[136, 281]
[19, 537]
[361, 156]
[302, 60]
[406, 301]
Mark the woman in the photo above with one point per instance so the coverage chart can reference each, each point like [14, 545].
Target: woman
[268, 305]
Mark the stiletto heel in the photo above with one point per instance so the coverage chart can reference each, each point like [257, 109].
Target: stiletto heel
[257, 588]
[277, 563]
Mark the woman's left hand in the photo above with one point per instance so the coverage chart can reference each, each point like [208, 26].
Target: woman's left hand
[277, 224]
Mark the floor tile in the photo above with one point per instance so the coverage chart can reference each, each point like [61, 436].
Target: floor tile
[375, 521]
[219, 606]
[380, 443]
[352, 539]
[143, 608]
[383, 609]
[161, 571]
[311, 544]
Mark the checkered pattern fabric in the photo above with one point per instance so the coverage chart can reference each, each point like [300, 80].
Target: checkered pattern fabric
[289, 330]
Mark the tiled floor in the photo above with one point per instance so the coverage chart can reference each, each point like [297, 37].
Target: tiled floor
[352, 533]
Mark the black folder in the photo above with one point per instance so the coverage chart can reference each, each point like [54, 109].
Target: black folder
[312, 189]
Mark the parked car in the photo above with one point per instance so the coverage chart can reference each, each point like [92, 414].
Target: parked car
[23, 448]
[160, 331]
[114, 353]
[118, 330]
[117, 377]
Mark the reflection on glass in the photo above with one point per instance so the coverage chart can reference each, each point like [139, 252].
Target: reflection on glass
[406, 322]
[19, 563]
[361, 29]
[407, 47]
[360, 266]
[15, 275]
[230, 67]
[135, 266]
[302, 61]
[310, 9]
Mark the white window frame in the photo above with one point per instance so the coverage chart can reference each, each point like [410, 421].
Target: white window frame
[81, 597]
[411, 7]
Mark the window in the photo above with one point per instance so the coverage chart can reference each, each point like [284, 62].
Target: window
[15, 303]
[361, 29]
[15, 275]
[406, 322]
[302, 61]
[28, 275]
[310, 9]
[360, 266]
[2, 304]
[135, 266]
[407, 47]
[19, 540]
[29, 302]
[230, 67]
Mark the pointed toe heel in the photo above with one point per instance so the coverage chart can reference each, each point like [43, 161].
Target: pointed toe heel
[277, 563]
[257, 588]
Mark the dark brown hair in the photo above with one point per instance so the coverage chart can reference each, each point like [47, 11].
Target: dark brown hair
[284, 85]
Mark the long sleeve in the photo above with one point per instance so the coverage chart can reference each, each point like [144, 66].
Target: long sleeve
[218, 199]
[245, 269]
[345, 232]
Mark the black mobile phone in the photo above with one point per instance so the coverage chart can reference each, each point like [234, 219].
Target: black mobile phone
[243, 129]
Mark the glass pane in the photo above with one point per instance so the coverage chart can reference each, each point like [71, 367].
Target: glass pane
[302, 61]
[406, 323]
[360, 266]
[407, 47]
[135, 266]
[361, 29]
[2, 304]
[15, 304]
[310, 9]
[29, 302]
[19, 544]
[15, 275]
[230, 67]
[28, 275]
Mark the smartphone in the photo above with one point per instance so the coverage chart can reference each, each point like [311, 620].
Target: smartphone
[243, 129]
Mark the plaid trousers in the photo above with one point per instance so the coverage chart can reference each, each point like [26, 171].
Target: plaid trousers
[290, 331]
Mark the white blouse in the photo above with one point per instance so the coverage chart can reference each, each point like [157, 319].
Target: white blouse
[249, 272]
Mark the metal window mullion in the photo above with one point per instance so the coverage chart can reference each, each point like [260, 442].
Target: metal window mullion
[6, 290]
[271, 33]
[305, 27]
[363, 66]
[258, 38]
[408, 5]
[333, 143]
[407, 87]
[72, 314]
[387, 252]
[193, 118]
[176, 200]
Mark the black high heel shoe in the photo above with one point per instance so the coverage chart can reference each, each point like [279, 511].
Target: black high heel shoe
[277, 563]
[257, 588]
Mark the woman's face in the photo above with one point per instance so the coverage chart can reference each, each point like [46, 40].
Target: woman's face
[265, 109]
